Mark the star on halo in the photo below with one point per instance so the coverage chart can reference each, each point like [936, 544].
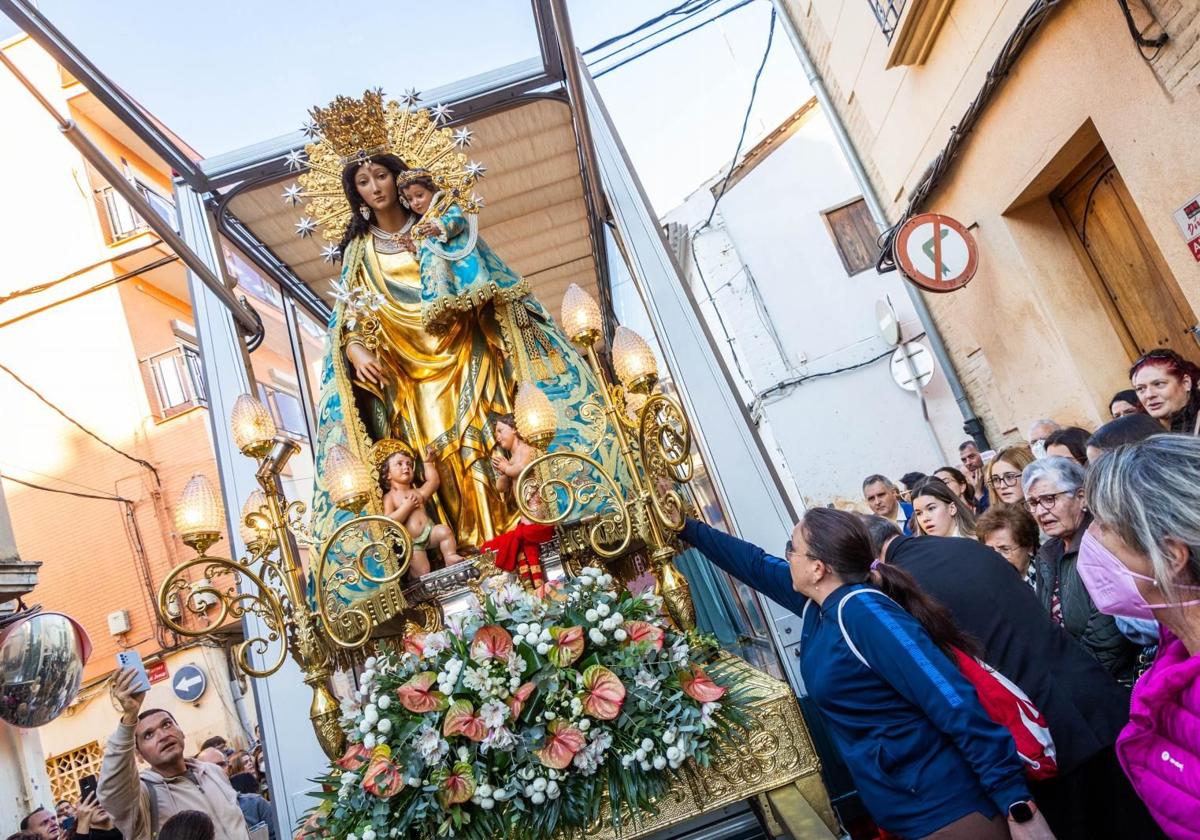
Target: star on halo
[476, 169]
[305, 227]
[410, 97]
[295, 160]
[477, 199]
[440, 113]
[463, 137]
[330, 252]
[311, 130]
[292, 194]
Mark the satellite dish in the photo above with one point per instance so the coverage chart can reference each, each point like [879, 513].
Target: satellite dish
[889, 325]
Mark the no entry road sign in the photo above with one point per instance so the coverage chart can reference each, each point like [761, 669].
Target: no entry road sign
[936, 252]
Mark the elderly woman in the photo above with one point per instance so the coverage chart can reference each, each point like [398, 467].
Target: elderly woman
[1054, 495]
[1168, 387]
[1013, 534]
[1141, 557]
[1004, 474]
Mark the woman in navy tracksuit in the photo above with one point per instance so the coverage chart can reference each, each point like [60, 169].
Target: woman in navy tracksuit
[927, 759]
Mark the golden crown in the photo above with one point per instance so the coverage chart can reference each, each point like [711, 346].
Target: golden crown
[350, 130]
[410, 176]
[356, 129]
[381, 450]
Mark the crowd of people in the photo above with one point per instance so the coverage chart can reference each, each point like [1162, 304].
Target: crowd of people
[1008, 647]
[217, 795]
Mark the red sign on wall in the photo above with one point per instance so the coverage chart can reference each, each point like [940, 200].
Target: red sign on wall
[157, 672]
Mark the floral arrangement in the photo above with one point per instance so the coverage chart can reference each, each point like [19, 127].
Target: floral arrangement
[518, 717]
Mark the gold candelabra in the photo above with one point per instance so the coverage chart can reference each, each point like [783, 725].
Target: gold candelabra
[555, 486]
[270, 580]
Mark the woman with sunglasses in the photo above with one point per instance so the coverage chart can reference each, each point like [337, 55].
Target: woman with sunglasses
[926, 758]
[1054, 495]
[1004, 474]
[1168, 387]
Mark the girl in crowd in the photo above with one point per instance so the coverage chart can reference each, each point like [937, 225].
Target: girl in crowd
[1004, 474]
[1141, 558]
[1070, 442]
[957, 482]
[1013, 533]
[1168, 386]
[940, 511]
[926, 758]
[1124, 403]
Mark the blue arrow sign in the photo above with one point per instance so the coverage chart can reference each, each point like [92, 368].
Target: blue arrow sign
[189, 683]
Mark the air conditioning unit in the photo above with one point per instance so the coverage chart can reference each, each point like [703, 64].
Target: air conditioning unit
[202, 600]
[118, 622]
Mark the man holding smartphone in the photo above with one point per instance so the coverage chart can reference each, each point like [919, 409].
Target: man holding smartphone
[140, 804]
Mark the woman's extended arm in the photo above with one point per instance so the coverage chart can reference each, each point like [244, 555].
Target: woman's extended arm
[746, 562]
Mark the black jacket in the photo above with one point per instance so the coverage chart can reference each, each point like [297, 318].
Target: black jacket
[1057, 561]
[1083, 704]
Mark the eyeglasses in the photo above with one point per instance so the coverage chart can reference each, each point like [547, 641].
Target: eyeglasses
[1045, 502]
[1006, 480]
[789, 550]
[1008, 550]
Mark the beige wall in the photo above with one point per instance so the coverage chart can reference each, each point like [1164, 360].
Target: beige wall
[1028, 336]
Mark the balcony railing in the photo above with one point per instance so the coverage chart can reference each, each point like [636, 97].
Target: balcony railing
[887, 13]
[124, 221]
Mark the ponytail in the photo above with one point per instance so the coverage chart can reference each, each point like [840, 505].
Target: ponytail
[898, 585]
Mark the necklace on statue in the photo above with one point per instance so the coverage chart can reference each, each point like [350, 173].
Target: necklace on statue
[387, 242]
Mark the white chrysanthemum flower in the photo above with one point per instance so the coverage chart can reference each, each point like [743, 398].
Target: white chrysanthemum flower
[369, 740]
[596, 636]
[384, 702]
[384, 725]
[603, 610]
[659, 762]
[620, 635]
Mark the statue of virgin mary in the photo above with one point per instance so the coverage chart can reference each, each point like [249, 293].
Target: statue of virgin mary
[388, 372]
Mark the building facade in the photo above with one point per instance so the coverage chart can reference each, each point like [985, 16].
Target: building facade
[1076, 180]
[784, 273]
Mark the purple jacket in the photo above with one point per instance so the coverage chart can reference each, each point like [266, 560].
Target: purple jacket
[1160, 746]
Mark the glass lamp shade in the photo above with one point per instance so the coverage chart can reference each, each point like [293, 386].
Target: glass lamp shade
[536, 419]
[254, 504]
[634, 361]
[581, 316]
[347, 479]
[198, 515]
[252, 426]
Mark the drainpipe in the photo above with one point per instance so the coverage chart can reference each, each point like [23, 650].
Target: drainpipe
[971, 423]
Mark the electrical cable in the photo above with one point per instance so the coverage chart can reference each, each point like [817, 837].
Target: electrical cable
[80, 426]
[671, 25]
[676, 37]
[41, 287]
[683, 8]
[1157, 42]
[33, 486]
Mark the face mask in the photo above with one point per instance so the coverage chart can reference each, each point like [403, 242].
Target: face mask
[1112, 585]
[1039, 448]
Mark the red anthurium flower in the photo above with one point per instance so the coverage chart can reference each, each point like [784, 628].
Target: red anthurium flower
[603, 693]
[491, 642]
[520, 697]
[462, 720]
[562, 742]
[456, 786]
[641, 631]
[356, 756]
[383, 778]
[566, 645]
[414, 643]
[699, 686]
[417, 695]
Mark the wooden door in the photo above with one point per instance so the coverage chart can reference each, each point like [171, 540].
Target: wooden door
[1133, 280]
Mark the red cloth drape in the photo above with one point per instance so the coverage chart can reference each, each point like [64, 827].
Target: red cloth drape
[518, 551]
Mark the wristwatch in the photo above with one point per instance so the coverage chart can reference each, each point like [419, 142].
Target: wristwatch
[1022, 812]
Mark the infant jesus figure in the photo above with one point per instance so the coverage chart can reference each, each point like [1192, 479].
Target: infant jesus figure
[406, 504]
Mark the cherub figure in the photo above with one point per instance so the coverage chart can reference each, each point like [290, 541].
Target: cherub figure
[521, 453]
[406, 504]
[518, 550]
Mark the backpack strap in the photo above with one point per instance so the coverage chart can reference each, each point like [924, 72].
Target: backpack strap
[152, 806]
[842, 624]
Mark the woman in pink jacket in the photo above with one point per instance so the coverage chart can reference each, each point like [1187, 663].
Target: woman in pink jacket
[1141, 558]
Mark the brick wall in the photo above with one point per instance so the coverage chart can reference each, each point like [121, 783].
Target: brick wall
[1177, 63]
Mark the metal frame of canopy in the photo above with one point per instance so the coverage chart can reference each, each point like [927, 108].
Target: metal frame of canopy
[749, 488]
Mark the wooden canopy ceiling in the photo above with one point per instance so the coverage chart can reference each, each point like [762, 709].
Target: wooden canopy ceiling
[535, 215]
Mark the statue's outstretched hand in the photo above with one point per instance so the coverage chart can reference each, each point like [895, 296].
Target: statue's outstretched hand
[366, 364]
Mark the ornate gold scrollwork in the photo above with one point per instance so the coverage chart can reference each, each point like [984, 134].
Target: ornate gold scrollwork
[378, 538]
[665, 443]
[264, 603]
[554, 486]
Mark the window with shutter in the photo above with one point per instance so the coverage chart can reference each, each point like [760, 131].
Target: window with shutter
[854, 234]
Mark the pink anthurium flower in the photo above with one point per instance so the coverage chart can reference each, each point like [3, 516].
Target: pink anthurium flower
[604, 693]
[562, 743]
[417, 695]
[491, 642]
[640, 631]
[566, 645]
[699, 686]
[461, 719]
[356, 756]
[383, 778]
[457, 786]
[519, 698]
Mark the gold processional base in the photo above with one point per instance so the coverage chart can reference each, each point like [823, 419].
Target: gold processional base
[776, 765]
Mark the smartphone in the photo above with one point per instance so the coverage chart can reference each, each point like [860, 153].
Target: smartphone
[133, 659]
[87, 787]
